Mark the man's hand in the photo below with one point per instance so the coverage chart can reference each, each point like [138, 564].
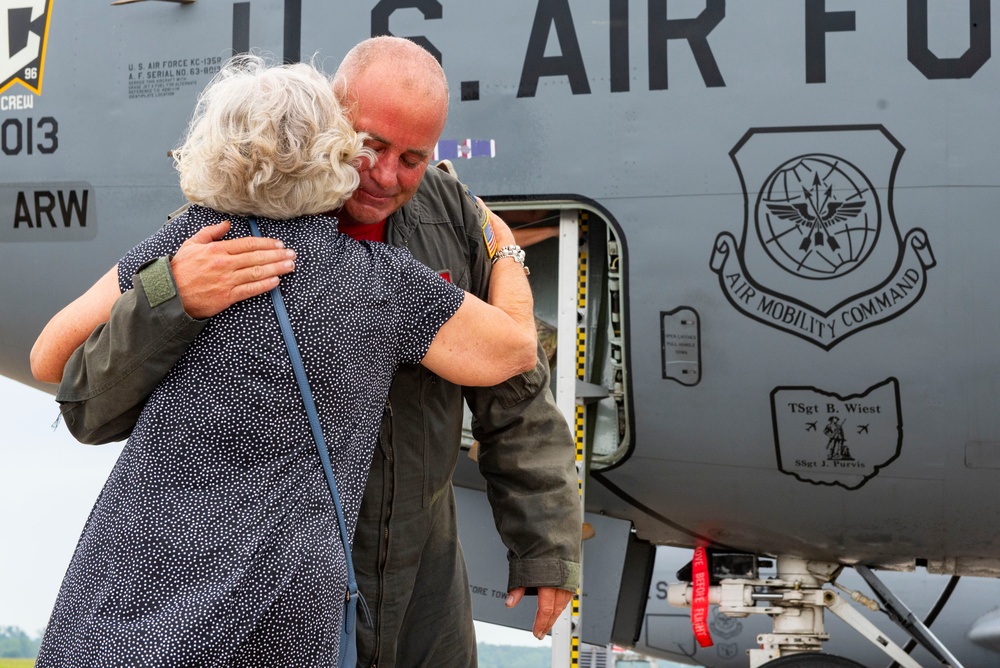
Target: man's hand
[212, 275]
[551, 603]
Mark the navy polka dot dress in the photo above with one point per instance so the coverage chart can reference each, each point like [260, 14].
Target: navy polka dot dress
[214, 541]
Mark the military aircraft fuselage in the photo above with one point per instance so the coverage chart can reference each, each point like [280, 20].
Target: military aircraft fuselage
[798, 197]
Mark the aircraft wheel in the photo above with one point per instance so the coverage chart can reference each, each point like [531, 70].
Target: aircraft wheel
[812, 661]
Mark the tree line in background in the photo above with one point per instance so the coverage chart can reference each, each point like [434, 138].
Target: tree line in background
[15, 644]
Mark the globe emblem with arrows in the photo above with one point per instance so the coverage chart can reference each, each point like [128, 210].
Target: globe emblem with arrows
[818, 216]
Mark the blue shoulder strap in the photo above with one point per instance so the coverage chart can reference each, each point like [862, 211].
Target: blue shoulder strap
[348, 644]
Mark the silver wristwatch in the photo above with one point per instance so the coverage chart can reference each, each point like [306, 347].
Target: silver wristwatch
[515, 253]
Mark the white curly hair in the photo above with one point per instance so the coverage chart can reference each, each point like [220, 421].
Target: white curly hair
[271, 141]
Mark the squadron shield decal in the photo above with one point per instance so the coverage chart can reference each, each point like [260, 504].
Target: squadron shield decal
[827, 439]
[24, 29]
[821, 256]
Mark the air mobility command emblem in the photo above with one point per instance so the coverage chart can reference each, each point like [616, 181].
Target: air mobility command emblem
[821, 256]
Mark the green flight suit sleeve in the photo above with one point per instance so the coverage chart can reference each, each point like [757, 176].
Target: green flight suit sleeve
[107, 379]
[527, 456]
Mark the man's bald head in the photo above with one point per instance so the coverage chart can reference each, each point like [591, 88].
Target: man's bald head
[404, 67]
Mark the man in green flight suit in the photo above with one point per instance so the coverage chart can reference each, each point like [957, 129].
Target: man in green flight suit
[406, 550]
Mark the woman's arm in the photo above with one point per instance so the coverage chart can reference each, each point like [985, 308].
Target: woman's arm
[210, 275]
[484, 344]
[69, 328]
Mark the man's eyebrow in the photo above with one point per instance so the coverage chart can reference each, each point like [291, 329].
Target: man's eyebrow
[375, 137]
[421, 153]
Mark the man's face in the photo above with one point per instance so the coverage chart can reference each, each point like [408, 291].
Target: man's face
[403, 130]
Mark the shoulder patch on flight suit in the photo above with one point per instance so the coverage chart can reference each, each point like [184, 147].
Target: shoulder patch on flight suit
[157, 282]
[491, 240]
[486, 223]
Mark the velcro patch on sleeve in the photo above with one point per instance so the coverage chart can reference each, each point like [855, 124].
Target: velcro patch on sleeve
[157, 282]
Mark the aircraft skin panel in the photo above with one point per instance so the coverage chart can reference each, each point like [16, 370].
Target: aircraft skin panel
[935, 370]
[763, 518]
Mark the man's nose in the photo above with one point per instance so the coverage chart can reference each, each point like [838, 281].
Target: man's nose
[383, 172]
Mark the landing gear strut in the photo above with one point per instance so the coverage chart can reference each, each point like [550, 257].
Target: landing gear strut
[796, 600]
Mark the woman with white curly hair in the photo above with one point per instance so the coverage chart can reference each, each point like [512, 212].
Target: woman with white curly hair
[215, 541]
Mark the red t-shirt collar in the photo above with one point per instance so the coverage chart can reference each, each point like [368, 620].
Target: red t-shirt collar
[362, 231]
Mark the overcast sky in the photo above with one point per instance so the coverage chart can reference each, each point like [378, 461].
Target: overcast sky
[48, 484]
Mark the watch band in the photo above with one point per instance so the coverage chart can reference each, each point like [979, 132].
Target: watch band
[515, 253]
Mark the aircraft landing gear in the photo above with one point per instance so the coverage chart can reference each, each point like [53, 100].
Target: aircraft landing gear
[796, 600]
